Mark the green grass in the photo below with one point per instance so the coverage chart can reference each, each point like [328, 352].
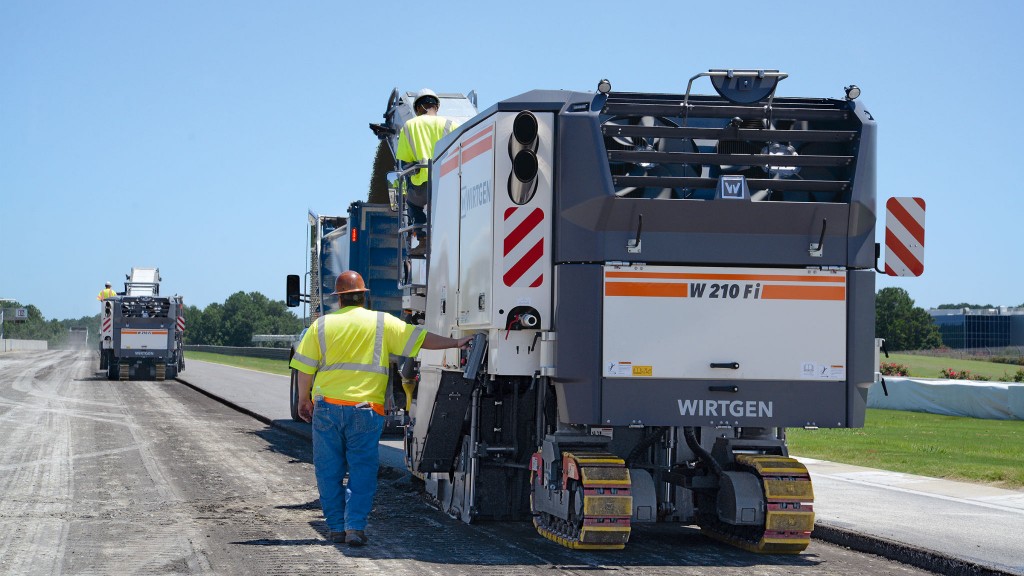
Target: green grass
[261, 364]
[929, 367]
[952, 447]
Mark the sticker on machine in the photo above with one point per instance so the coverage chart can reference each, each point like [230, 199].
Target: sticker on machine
[618, 369]
[627, 369]
[822, 371]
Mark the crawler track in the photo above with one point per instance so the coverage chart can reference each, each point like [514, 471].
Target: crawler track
[600, 506]
[789, 513]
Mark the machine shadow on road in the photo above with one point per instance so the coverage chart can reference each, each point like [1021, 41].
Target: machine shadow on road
[403, 526]
[281, 442]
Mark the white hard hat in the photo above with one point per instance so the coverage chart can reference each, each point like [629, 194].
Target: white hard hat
[425, 93]
[108, 284]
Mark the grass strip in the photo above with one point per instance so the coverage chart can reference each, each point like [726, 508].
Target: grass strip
[952, 447]
[261, 364]
[930, 367]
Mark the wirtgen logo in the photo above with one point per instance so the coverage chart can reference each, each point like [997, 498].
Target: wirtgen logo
[733, 408]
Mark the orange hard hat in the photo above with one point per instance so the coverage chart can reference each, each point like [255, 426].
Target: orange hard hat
[348, 282]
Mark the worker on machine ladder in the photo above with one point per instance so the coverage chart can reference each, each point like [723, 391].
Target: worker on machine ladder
[416, 146]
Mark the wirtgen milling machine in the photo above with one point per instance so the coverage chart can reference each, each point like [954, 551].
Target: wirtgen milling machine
[665, 283]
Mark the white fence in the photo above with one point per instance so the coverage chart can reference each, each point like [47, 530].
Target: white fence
[8, 345]
[988, 400]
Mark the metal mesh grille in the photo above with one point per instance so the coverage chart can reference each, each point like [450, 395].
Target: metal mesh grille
[797, 150]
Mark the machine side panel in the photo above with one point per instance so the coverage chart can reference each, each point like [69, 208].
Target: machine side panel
[522, 248]
[724, 323]
[476, 225]
[577, 321]
[445, 228]
[861, 354]
[144, 339]
[864, 202]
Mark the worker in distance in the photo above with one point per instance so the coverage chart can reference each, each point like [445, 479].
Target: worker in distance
[342, 362]
[107, 292]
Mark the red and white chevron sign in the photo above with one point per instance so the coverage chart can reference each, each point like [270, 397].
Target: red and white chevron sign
[524, 247]
[106, 325]
[904, 236]
[181, 323]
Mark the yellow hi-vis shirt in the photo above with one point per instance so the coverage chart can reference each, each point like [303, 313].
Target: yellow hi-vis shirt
[348, 352]
[106, 293]
[416, 142]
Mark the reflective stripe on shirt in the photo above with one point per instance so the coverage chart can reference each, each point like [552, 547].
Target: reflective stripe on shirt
[378, 349]
[413, 340]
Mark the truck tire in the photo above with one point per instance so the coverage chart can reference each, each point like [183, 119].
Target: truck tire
[112, 369]
[294, 396]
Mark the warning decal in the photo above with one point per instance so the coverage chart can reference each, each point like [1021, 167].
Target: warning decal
[523, 247]
[904, 236]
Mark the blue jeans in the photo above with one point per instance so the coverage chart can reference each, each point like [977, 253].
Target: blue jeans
[417, 217]
[345, 439]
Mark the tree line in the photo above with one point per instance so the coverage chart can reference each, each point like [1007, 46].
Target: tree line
[241, 316]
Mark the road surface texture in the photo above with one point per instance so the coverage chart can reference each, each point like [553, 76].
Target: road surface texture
[101, 477]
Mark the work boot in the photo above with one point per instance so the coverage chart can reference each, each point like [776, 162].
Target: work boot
[336, 537]
[355, 537]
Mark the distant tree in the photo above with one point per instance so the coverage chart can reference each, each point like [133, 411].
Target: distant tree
[204, 327]
[903, 325]
[963, 305]
[236, 321]
[195, 330]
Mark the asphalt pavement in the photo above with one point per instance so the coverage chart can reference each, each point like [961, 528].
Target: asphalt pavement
[941, 525]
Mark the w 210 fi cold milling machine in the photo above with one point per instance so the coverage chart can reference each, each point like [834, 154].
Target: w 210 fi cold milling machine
[664, 283]
[141, 332]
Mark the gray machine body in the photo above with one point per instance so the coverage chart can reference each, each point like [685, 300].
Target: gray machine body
[655, 184]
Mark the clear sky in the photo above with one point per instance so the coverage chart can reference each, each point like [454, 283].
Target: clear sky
[193, 136]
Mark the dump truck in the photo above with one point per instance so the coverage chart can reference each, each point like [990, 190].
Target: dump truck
[658, 286]
[365, 240]
[142, 332]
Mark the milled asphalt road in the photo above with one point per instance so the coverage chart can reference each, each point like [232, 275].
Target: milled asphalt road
[109, 477]
[951, 527]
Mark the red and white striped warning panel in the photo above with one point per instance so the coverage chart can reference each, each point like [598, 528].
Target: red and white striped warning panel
[904, 236]
[106, 325]
[181, 323]
[524, 247]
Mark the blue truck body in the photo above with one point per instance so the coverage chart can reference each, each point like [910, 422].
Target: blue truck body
[365, 241]
[373, 253]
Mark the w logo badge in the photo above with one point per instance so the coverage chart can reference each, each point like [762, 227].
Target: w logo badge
[732, 188]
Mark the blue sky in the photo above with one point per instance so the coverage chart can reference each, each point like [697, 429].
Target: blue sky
[193, 135]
